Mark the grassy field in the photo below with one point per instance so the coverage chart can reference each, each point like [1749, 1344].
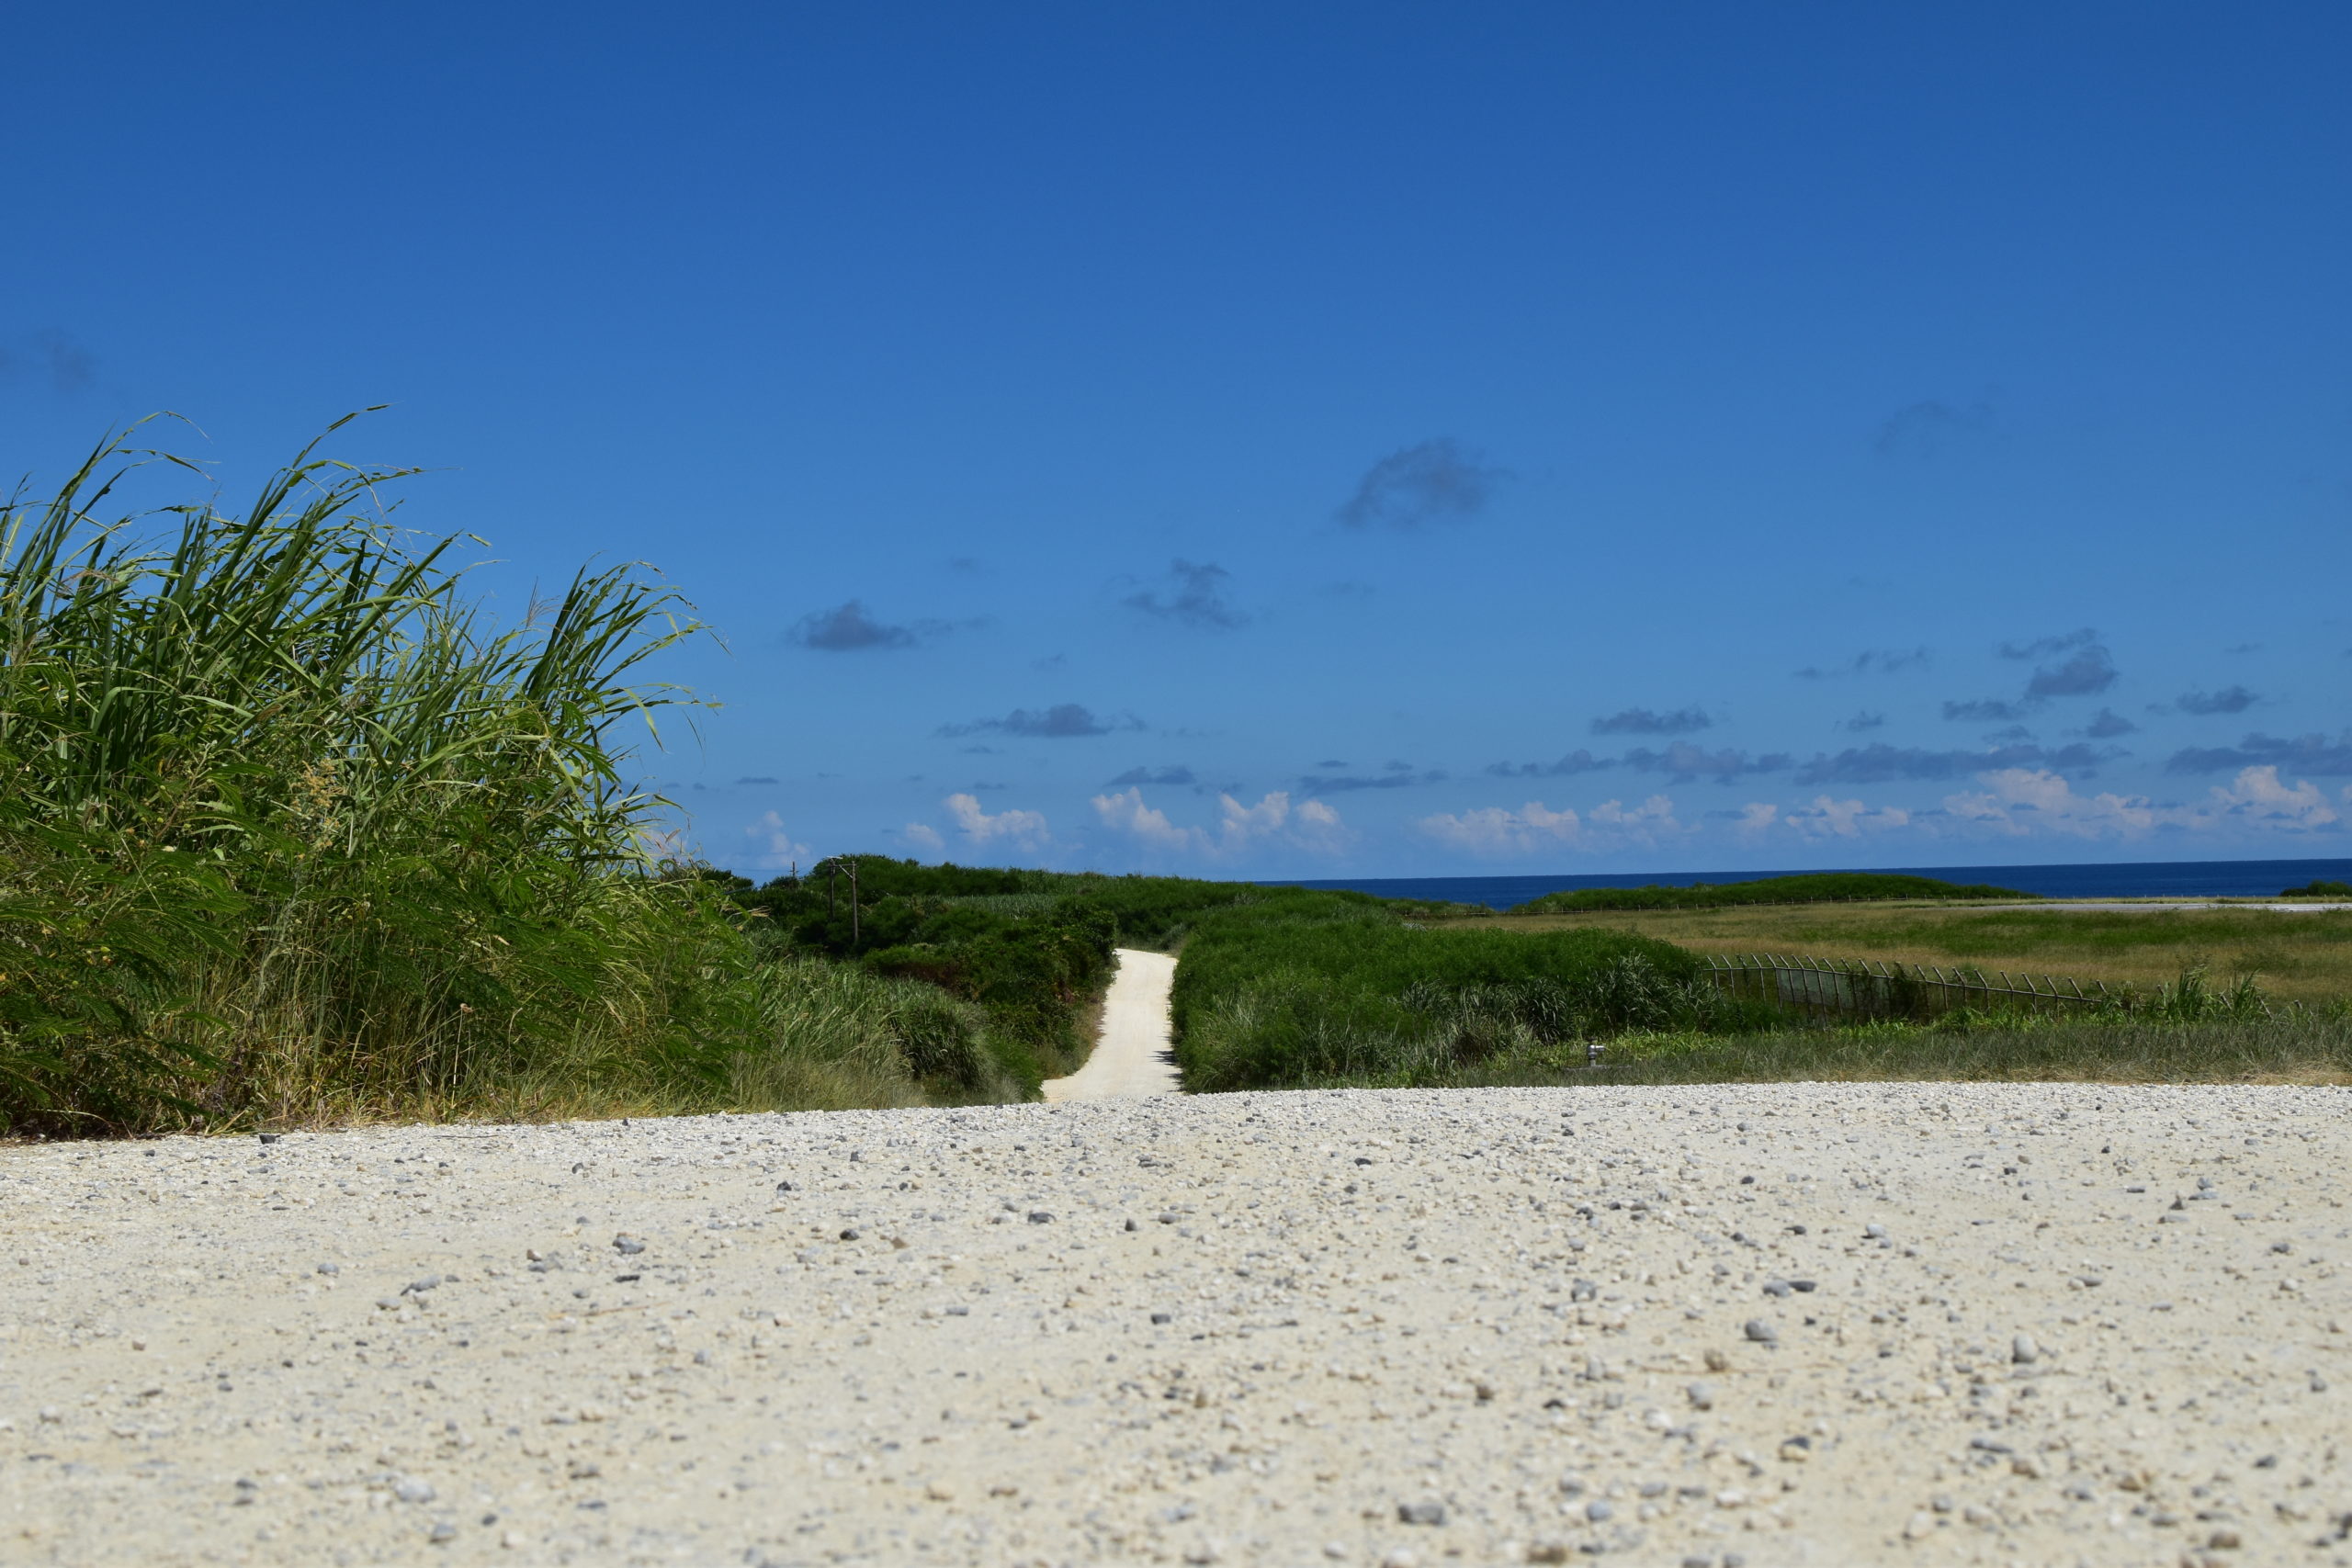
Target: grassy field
[2293, 1046]
[2305, 957]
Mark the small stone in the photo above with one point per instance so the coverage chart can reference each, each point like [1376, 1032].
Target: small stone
[1400, 1558]
[1039, 1217]
[1717, 1361]
[628, 1245]
[418, 1287]
[1420, 1513]
[271, 1137]
[2024, 1351]
[1133, 1227]
[2223, 1540]
[409, 1489]
[783, 1187]
[1761, 1332]
[1599, 1511]
[443, 1530]
[1776, 1287]
[849, 1235]
[1920, 1526]
[330, 1268]
[1875, 1232]
[1163, 1318]
[1548, 1551]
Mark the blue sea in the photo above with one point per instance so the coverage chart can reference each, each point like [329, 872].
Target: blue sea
[2149, 879]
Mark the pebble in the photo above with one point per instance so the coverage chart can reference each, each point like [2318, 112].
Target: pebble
[1761, 1332]
[1477, 1301]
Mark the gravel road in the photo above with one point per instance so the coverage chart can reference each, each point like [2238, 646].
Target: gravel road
[1745, 1325]
[1132, 1054]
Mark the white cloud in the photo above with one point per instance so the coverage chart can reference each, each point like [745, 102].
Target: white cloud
[1126, 813]
[773, 848]
[1494, 832]
[2021, 801]
[1755, 818]
[1312, 826]
[2016, 802]
[1024, 828]
[924, 837]
[2256, 795]
[1826, 817]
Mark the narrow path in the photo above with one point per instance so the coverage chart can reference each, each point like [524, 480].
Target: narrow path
[1134, 1055]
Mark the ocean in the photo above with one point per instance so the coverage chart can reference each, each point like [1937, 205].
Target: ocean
[2147, 879]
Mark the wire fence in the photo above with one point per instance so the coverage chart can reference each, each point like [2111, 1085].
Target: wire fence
[1852, 988]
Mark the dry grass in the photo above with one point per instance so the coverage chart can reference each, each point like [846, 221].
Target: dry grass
[2299, 957]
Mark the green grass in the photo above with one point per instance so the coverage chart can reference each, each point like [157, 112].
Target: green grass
[1813, 887]
[2292, 1045]
[2298, 956]
[1300, 987]
[291, 830]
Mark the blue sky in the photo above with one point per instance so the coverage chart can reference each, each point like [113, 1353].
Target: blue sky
[1300, 440]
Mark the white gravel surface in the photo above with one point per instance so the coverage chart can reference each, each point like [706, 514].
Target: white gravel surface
[1761, 1326]
[1132, 1053]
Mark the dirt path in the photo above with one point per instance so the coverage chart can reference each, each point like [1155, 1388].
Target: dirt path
[1774, 1325]
[1132, 1057]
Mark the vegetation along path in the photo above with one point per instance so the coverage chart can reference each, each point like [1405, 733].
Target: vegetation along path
[1769, 1324]
[1133, 1055]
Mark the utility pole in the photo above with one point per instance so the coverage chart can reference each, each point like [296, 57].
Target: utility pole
[833, 899]
[853, 904]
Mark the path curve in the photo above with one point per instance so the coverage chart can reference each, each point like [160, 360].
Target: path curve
[1134, 1055]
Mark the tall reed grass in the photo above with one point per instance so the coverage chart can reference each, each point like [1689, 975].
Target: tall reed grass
[291, 827]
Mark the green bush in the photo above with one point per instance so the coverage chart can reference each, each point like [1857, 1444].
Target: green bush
[290, 830]
[1823, 886]
[1305, 987]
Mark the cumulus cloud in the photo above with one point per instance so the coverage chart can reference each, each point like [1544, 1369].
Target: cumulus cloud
[1573, 763]
[1496, 833]
[1926, 427]
[1642, 721]
[1025, 830]
[1985, 710]
[1399, 775]
[69, 367]
[2044, 646]
[772, 849]
[2229, 699]
[2306, 753]
[1869, 661]
[1882, 763]
[1828, 819]
[922, 838]
[2017, 802]
[1685, 763]
[1061, 722]
[1435, 481]
[847, 628]
[1195, 597]
[2258, 796]
[1177, 775]
[1312, 825]
[2088, 672]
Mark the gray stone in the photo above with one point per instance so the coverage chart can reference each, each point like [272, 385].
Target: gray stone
[1420, 1513]
[1761, 1332]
